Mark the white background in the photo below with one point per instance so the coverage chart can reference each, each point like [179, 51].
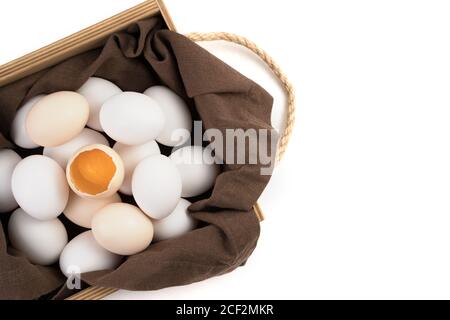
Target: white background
[360, 206]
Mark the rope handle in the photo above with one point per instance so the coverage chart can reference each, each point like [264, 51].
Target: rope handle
[287, 86]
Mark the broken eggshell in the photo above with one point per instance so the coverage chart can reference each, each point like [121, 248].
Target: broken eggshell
[95, 171]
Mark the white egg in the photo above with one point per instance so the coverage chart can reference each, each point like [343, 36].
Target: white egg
[40, 187]
[19, 132]
[83, 254]
[131, 156]
[64, 152]
[156, 186]
[8, 161]
[97, 91]
[40, 241]
[132, 118]
[80, 210]
[176, 224]
[177, 129]
[197, 168]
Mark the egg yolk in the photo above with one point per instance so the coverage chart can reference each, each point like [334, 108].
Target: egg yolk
[92, 171]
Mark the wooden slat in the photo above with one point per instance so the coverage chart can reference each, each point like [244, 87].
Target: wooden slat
[259, 213]
[166, 15]
[93, 293]
[77, 43]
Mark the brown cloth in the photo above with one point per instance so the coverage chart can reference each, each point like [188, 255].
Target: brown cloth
[144, 55]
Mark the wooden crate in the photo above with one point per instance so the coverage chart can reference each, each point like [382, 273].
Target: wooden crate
[89, 38]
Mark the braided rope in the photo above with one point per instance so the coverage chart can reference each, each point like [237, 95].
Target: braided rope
[289, 89]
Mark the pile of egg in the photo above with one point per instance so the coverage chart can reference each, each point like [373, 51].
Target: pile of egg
[81, 176]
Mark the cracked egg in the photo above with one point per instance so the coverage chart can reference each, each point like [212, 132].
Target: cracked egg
[95, 171]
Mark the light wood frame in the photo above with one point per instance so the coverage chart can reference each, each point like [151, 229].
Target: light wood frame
[79, 42]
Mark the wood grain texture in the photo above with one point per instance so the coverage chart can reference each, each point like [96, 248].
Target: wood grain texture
[166, 15]
[93, 293]
[77, 43]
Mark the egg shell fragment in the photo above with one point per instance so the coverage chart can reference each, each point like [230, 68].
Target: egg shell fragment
[40, 241]
[95, 171]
